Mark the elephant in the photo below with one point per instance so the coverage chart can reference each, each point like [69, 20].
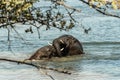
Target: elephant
[44, 52]
[69, 44]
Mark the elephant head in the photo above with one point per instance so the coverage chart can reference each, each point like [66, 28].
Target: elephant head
[67, 43]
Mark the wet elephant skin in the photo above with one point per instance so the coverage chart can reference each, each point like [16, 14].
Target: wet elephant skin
[69, 44]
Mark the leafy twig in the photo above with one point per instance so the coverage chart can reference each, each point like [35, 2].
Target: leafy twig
[99, 9]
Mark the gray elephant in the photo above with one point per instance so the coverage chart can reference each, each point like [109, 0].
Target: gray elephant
[69, 44]
[44, 52]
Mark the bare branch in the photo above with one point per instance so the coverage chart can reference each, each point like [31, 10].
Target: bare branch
[19, 62]
[16, 31]
[37, 27]
[47, 74]
[8, 39]
[38, 67]
[38, 32]
[70, 14]
[69, 7]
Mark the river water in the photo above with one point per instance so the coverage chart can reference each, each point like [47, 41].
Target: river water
[101, 45]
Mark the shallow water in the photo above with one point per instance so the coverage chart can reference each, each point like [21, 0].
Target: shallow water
[101, 45]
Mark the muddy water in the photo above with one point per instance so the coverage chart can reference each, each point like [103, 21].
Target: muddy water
[101, 45]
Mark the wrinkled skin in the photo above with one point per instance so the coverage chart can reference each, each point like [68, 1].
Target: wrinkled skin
[69, 44]
[43, 52]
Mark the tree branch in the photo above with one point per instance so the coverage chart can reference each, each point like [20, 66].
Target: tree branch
[38, 67]
[21, 62]
[69, 7]
[13, 27]
[99, 10]
[70, 14]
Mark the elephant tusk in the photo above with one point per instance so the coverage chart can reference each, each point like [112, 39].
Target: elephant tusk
[62, 49]
[61, 41]
[49, 43]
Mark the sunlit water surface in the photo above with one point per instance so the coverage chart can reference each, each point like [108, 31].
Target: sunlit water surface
[101, 45]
